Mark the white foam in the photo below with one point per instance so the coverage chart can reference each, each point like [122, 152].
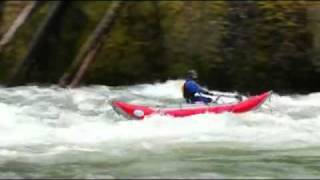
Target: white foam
[170, 89]
[80, 117]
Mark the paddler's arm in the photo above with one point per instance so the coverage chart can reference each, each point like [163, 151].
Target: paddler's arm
[203, 91]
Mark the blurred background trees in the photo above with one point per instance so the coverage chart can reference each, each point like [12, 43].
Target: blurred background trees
[246, 46]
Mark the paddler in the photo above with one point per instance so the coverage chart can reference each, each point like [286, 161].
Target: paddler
[193, 92]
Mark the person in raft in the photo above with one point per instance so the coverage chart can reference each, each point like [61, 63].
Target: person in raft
[193, 92]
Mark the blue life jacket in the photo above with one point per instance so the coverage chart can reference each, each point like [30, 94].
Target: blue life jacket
[190, 89]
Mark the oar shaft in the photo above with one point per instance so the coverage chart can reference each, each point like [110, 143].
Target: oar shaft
[239, 97]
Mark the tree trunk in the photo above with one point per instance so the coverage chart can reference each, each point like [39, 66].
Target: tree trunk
[19, 21]
[158, 62]
[91, 47]
[313, 19]
[84, 66]
[21, 71]
[1, 17]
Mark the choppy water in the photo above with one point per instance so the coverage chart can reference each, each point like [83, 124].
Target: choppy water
[49, 132]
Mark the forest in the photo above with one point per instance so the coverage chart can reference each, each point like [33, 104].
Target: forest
[245, 46]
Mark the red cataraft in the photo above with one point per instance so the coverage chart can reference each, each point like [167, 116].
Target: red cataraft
[133, 111]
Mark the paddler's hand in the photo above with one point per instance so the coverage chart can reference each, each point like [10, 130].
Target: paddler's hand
[209, 93]
[238, 97]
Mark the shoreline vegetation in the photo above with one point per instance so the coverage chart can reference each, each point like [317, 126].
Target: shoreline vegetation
[244, 46]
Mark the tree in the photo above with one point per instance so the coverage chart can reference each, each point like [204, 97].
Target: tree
[89, 50]
[22, 70]
[19, 21]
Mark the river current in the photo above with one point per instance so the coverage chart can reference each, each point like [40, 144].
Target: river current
[51, 132]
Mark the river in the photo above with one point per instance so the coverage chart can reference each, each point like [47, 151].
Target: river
[51, 132]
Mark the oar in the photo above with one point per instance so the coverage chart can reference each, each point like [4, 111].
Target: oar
[236, 96]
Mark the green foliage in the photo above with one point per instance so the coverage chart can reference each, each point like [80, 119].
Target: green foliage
[136, 48]
[246, 46]
[269, 43]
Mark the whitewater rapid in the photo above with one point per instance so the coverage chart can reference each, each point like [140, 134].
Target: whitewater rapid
[46, 121]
